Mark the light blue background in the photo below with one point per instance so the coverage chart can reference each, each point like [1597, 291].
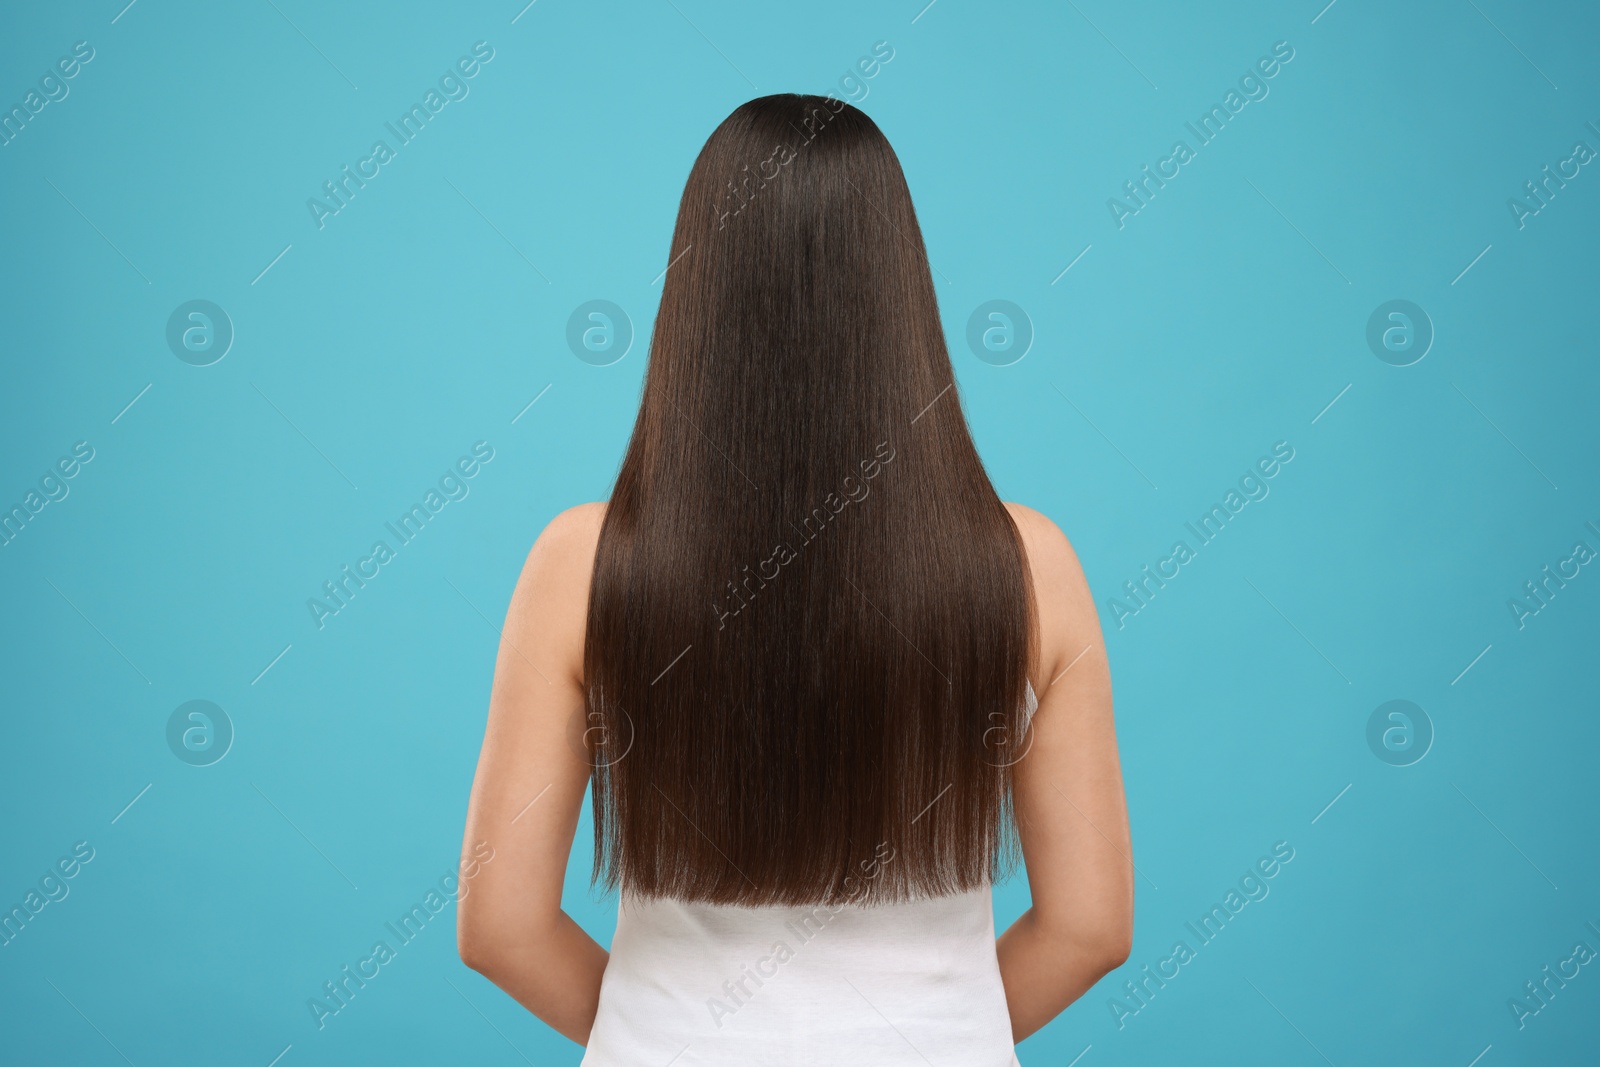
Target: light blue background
[1224, 317]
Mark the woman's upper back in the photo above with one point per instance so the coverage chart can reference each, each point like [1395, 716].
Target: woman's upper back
[565, 554]
[1065, 759]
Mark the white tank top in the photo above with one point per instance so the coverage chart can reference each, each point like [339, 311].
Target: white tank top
[715, 985]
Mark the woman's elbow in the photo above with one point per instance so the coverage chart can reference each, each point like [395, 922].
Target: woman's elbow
[474, 946]
[1115, 946]
[1102, 942]
[1112, 937]
[480, 936]
[490, 936]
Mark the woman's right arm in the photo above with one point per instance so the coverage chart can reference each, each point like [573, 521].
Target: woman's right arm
[1071, 815]
[528, 792]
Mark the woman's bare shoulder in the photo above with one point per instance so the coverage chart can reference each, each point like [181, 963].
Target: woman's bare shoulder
[1067, 619]
[577, 527]
[1047, 547]
[567, 543]
[551, 601]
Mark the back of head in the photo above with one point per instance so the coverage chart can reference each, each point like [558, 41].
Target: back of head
[810, 617]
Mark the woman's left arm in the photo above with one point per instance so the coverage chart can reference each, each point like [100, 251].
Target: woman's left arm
[528, 791]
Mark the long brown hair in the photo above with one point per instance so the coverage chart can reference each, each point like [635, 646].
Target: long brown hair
[810, 620]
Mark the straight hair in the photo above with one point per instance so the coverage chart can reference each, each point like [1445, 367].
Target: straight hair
[810, 618]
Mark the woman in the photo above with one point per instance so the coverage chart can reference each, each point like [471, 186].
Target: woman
[798, 653]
